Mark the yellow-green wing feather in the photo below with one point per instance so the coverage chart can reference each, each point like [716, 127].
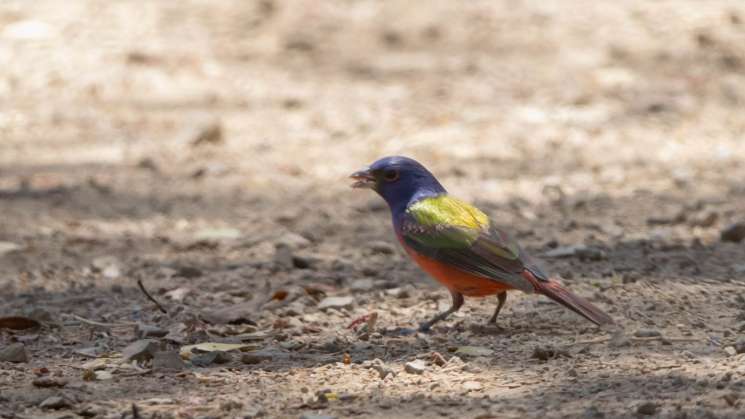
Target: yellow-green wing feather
[454, 232]
[445, 210]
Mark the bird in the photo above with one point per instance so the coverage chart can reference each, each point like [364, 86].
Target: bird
[458, 244]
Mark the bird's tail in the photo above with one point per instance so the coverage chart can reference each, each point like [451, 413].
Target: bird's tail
[553, 290]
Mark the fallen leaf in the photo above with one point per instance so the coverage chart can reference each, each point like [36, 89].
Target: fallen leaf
[18, 323]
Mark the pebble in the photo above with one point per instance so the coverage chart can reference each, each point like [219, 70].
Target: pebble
[647, 408]
[167, 360]
[734, 233]
[54, 402]
[730, 350]
[740, 346]
[14, 353]
[472, 386]
[415, 367]
[108, 266]
[140, 350]
[365, 284]
[47, 382]
[336, 302]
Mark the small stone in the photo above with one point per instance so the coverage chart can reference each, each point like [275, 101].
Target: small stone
[336, 302]
[415, 367]
[647, 333]
[147, 331]
[382, 247]
[15, 352]
[47, 382]
[365, 284]
[647, 409]
[108, 266]
[140, 350]
[167, 360]
[472, 386]
[102, 375]
[730, 350]
[54, 402]
[740, 346]
[734, 233]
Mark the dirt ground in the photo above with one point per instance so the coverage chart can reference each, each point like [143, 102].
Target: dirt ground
[203, 147]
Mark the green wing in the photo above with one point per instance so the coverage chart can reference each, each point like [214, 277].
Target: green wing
[458, 234]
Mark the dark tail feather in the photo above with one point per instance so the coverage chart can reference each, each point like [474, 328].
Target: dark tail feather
[579, 305]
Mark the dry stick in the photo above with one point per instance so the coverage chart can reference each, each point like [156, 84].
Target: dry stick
[150, 297]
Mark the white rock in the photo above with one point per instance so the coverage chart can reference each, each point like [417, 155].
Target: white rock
[336, 302]
[415, 367]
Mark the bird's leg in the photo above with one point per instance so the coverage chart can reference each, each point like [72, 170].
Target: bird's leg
[502, 296]
[457, 303]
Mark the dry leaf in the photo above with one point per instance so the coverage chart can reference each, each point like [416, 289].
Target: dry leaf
[18, 323]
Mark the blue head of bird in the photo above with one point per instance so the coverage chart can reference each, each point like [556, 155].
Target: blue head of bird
[399, 180]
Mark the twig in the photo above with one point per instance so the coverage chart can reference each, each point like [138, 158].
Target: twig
[100, 324]
[150, 297]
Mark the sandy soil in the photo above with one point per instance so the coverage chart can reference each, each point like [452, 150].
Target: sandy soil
[202, 147]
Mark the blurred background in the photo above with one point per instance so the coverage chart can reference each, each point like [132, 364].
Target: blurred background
[138, 139]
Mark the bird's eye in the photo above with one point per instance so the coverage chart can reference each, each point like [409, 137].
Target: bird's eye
[390, 175]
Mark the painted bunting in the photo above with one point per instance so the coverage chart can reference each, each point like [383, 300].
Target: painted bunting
[457, 244]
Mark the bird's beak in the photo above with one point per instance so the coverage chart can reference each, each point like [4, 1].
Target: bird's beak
[363, 179]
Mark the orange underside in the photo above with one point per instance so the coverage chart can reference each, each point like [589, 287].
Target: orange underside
[456, 280]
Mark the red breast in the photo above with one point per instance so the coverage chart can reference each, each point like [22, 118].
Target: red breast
[455, 279]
